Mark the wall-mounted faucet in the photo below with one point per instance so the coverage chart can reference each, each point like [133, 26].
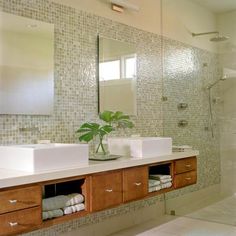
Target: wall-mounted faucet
[182, 106]
[29, 129]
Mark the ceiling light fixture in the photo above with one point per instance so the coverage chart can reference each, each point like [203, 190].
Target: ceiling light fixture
[120, 5]
[117, 8]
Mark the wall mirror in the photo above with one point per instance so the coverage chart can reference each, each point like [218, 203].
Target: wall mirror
[117, 76]
[26, 65]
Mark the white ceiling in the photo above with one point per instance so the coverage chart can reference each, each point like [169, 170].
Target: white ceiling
[218, 6]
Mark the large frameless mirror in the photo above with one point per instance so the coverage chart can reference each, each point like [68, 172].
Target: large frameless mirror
[117, 76]
[26, 65]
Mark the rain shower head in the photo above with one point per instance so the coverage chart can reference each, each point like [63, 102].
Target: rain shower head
[216, 82]
[217, 38]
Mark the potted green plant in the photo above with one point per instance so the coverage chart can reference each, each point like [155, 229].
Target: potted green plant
[111, 121]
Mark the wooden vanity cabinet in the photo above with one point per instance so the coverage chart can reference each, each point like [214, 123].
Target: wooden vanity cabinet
[20, 209]
[17, 222]
[106, 190]
[135, 183]
[185, 165]
[19, 198]
[185, 171]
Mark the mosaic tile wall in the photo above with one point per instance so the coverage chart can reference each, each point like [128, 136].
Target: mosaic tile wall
[75, 74]
[187, 73]
[76, 91]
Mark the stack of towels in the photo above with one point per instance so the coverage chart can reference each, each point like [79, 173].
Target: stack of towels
[62, 205]
[182, 148]
[158, 182]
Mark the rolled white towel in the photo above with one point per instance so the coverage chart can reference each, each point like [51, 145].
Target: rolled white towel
[163, 181]
[54, 203]
[155, 188]
[153, 182]
[52, 214]
[72, 209]
[160, 177]
[75, 198]
[166, 185]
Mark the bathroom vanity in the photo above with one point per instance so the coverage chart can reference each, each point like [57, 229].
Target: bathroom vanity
[103, 185]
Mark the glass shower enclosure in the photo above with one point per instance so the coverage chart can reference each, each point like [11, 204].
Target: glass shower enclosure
[199, 71]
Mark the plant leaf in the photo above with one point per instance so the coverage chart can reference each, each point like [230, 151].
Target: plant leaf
[86, 137]
[106, 116]
[90, 130]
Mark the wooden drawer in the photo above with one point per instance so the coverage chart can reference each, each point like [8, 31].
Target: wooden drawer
[106, 190]
[184, 165]
[135, 181]
[19, 221]
[19, 198]
[185, 179]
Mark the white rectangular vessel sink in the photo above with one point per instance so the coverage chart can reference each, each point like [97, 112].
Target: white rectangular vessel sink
[145, 147]
[43, 157]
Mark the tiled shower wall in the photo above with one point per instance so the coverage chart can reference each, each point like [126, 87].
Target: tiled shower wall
[187, 73]
[76, 90]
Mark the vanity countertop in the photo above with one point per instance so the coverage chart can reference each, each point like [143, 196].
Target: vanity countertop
[10, 178]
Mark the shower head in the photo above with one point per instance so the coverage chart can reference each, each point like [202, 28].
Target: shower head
[217, 38]
[216, 82]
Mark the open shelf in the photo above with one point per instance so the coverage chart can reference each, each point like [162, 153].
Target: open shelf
[160, 178]
[70, 189]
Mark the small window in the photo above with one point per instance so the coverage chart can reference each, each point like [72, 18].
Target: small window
[109, 70]
[130, 67]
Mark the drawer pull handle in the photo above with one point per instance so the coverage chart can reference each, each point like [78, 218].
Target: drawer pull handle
[109, 190]
[13, 201]
[13, 224]
[138, 184]
[188, 178]
[187, 165]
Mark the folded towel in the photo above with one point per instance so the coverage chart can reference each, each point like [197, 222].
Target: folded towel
[160, 177]
[75, 198]
[54, 203]
[155, 188]
[163, 181]
[73, 209]
[182, 148]
[52, 214]
[153, 182]
[62, 201]
[166, 185]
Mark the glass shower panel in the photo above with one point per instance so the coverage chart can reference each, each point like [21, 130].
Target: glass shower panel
[201, 74]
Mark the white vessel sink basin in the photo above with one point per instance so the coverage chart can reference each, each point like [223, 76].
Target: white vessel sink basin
[145, 147]
[119, 146]
[41, 157]
[140, 147]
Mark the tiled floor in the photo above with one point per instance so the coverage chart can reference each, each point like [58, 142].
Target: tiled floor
[181, 226]
[223, 211]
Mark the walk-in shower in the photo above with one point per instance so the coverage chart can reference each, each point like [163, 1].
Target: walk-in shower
[217, 38]
[209, 87]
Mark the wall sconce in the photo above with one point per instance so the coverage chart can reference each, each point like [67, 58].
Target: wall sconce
[117, 8]
[120, 5]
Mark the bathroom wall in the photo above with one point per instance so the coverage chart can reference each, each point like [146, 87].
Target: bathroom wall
[75, 100]
[139, 19]
[226, 101]
[177, 20]
[188, 68]
[75, 74]
[187, 72]
[183, 17]
[75, 80]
